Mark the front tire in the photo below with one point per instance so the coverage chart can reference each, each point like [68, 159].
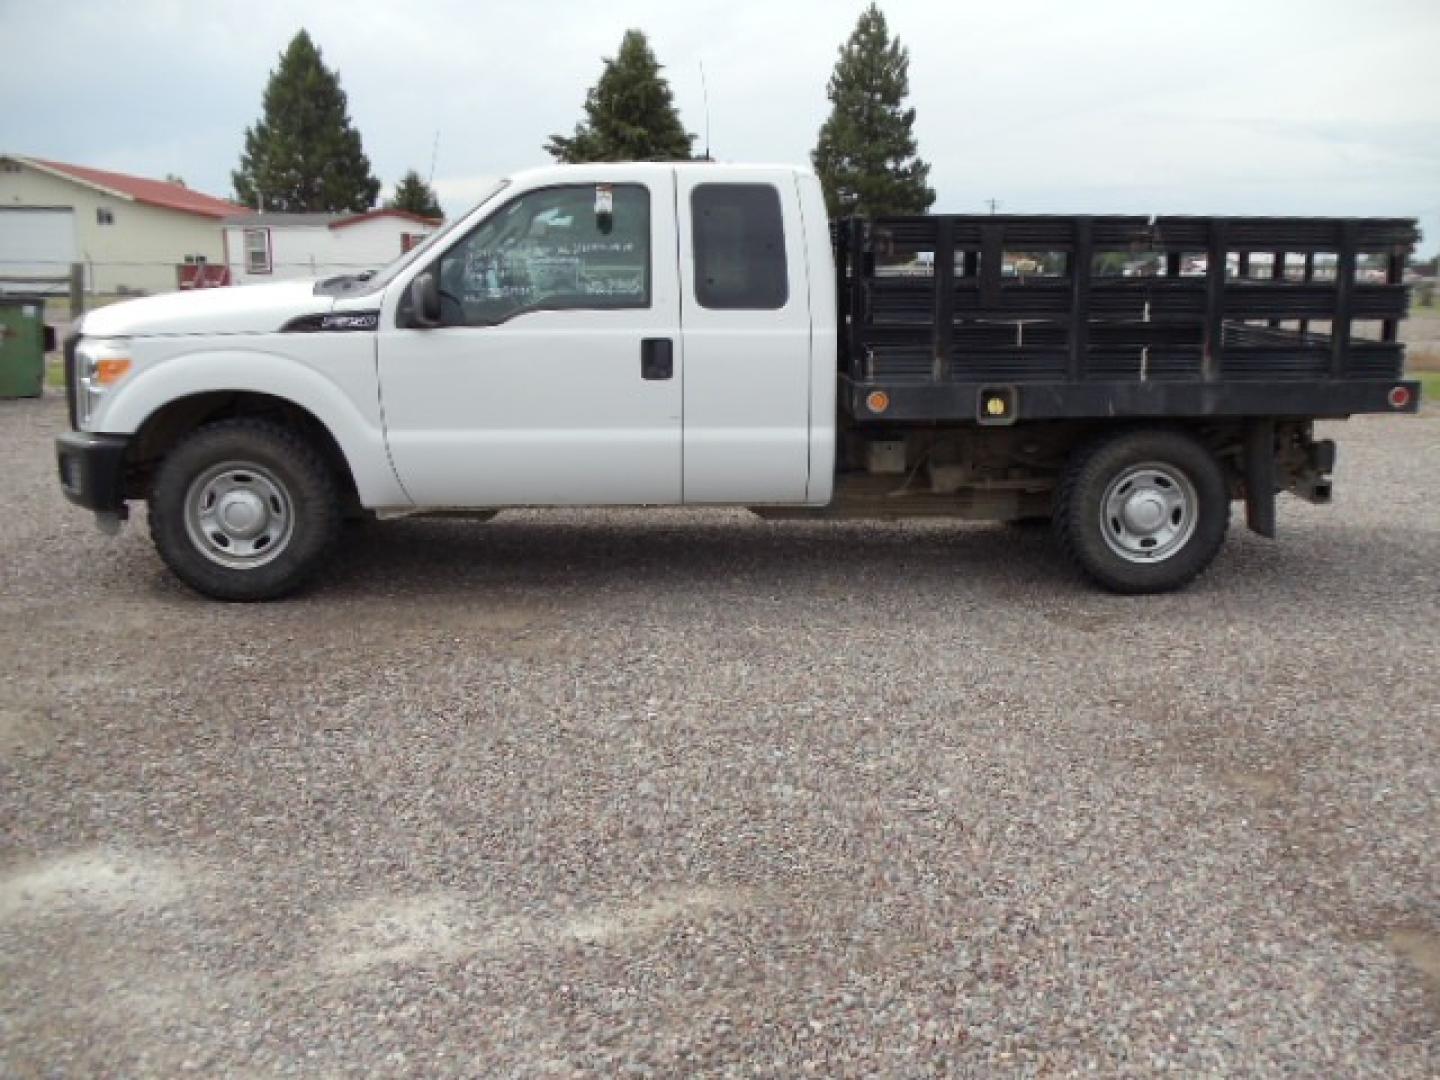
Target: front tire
[244, 510]
[1143, 511]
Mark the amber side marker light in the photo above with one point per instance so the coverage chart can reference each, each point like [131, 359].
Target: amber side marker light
[1399, 397]
[996, 405]
[877, 401]
[111, 371]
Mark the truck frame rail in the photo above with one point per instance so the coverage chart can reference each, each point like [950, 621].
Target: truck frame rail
[1000, 318]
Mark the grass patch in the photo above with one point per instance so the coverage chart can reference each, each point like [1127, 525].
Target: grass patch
[1429, 387]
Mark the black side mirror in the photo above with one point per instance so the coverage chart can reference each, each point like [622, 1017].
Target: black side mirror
[425, 302]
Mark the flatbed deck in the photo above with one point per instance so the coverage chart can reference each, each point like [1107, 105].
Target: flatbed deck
[1107, 316]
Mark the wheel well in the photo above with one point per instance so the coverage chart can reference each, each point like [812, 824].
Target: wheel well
[173, 421]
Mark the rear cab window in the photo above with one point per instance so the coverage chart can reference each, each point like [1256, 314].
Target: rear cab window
[739, 240]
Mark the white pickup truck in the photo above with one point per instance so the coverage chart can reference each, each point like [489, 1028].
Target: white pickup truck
[701, 335]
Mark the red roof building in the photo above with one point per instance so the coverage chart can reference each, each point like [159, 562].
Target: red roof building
[165, 193]
[131, 234]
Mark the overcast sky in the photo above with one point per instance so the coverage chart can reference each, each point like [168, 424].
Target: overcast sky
[1161, 106]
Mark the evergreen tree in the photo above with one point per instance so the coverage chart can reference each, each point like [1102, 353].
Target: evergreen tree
[416, 196]
[629, 113]
[303, 154]
[867, 156]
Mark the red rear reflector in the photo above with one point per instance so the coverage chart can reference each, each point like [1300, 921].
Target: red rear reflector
[1399, 397]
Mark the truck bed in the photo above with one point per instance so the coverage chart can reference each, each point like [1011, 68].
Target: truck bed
[1232, 316]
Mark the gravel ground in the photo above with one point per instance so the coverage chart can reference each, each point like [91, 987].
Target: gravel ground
[667, 793]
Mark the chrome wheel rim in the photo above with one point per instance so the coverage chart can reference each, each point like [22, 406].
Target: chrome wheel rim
[239, 515]
[1148, 512]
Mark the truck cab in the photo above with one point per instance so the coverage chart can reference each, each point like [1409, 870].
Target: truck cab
[621, 334]
[616, 334]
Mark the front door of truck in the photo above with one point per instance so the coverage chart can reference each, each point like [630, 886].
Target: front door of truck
[556, 375]
[747, 336]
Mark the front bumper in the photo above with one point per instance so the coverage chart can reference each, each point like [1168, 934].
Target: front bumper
[92, 469]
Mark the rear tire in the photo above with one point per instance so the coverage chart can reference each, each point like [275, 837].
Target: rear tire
[1142, 511]
[244, 510]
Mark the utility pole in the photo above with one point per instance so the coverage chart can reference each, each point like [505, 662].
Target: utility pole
[994, 205]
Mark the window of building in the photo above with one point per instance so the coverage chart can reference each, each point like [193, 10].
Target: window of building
[739, 240]
[104, 216]
[410, 240]
[257, 251]
[195, 260]
[577, 246]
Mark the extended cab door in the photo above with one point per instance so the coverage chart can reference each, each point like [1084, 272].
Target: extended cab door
[556, 376]
[747, 335]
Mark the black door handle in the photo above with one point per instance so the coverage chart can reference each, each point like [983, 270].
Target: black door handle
[657, 358]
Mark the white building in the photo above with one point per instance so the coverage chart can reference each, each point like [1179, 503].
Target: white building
[276, 246]
[131, 233]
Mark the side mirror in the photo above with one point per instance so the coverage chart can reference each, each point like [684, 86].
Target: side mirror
[425, 302]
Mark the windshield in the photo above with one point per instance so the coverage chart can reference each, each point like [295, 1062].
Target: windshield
[375, 280]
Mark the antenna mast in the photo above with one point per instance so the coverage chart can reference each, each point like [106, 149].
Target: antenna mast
[705, 95]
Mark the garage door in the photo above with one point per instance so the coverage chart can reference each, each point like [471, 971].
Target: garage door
[38, 241]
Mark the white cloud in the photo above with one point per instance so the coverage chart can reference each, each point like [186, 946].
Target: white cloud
[458, 192]
[1233, 106]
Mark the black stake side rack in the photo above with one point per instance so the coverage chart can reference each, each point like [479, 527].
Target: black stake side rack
[1091, 316]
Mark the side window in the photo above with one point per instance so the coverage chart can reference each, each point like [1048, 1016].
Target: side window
[581, 246]
[739, 246]
[257, 251]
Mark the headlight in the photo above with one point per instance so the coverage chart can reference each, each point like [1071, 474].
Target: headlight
[99, 366]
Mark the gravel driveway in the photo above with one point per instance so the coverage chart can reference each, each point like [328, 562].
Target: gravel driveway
[693, 793]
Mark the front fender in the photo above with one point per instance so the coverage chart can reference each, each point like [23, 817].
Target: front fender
[343, 396]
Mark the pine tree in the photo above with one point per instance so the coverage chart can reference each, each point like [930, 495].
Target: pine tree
[866, 155]
[303, 154]
[416, 196]
[629, 114]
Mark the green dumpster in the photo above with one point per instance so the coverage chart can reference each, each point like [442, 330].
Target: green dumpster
[22, 346]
